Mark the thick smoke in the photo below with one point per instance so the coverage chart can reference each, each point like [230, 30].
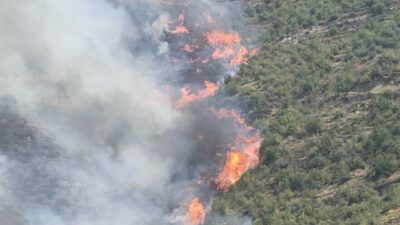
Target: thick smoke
[88, 133]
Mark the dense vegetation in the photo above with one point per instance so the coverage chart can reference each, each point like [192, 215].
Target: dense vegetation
[325, 91]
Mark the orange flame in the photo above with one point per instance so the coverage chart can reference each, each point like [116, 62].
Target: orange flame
[240, 57]
[239, 161]
[228, 113]
[196, 212]
[180, 28]
[228, 46]
[219, 37]
[188, 48]
[188, 97]
[254, 52]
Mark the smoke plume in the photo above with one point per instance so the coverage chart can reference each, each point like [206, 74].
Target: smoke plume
[104, 118]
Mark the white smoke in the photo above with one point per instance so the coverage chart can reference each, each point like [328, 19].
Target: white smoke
[88, 135]
[69, 67]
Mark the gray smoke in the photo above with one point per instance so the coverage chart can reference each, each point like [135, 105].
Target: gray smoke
[87, 133]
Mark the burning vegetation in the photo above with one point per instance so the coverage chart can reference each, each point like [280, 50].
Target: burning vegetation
[151, 144]
[196, 212]
[198, 39]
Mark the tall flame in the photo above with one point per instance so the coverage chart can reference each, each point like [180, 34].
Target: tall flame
[238, 161]
[196, 212]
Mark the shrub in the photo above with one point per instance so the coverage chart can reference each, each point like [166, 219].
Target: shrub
[384, 165]
[384, 67]
[313, 125]
[341, 172]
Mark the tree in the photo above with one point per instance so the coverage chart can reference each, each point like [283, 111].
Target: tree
[313, 125]
[384, 165]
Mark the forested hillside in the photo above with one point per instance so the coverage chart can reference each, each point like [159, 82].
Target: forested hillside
[325, 91]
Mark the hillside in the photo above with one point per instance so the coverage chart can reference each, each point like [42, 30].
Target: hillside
[325, 91]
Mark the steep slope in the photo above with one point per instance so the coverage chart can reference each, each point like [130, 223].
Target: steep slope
[325, 91]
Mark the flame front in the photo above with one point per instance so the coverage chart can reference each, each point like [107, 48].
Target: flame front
[239, 161]
[196, 212]
[228, 113]
[228, 46]
[187, 97]
[206, 43]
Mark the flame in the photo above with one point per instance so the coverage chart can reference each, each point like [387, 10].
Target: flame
[188, 48]
[253, 52]
[196, 212]
[180, 28]
[239, 161]
[215, 38]
[228, 113]
[188, 97]
[228, 46]
[243, 153]
[240, 57]
[209, 19]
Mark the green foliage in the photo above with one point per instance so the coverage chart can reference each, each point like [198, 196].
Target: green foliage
[384, 165]
[331, 145]
[288, 122]
[313, 125]
[384, 66]
[376, 7]
[341, 172]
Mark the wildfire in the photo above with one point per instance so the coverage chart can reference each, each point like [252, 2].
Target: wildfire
[240, 57]
[188, 48]
[187, 97]
[228, 113]
[228, 46]
[219, 37]
[196, 212]
[239, 161]
[180, 28]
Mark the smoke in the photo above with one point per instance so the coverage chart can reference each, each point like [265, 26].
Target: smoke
[88, 134]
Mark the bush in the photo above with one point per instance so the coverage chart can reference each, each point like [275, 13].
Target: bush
[271, 154]
[317, 161]
[384, 67]
[378, 7]
[379, 140]
[288, 122]
[345, 81]
[384, 165]
[341, 172]
[313, 125]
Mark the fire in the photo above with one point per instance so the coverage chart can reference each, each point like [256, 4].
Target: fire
[240, 57]
[228, 46]
[228, 113]
[196, 212]
[239, 161]
[215, 38]
[188, 97]
[226, 49]
[254, 52]
[209, 19]
[188, 48]
[180, 28]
